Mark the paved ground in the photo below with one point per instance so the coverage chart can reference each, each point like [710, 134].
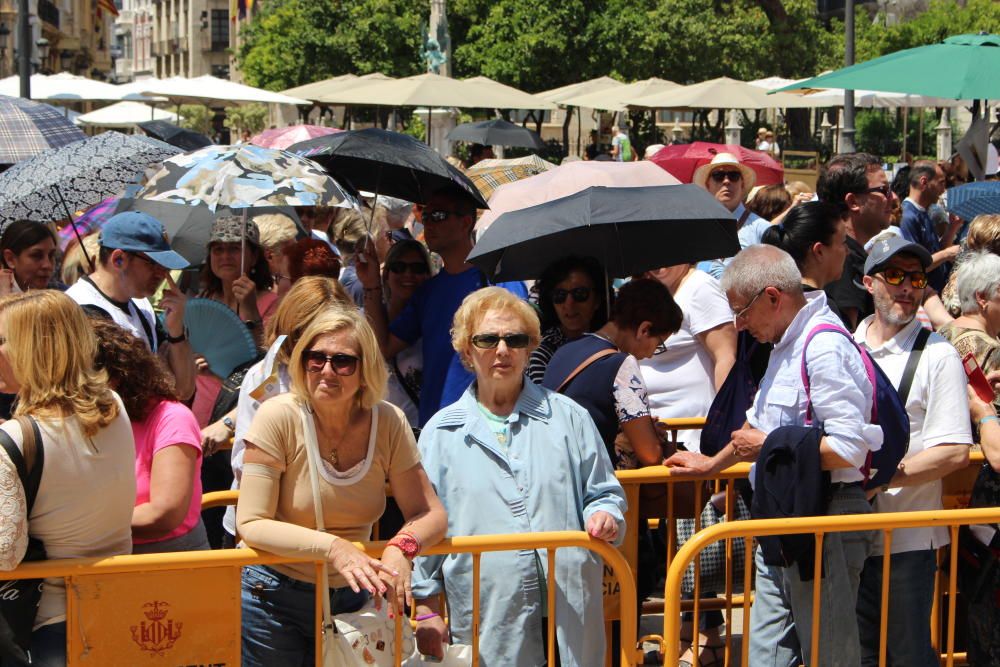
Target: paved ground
[652, 624]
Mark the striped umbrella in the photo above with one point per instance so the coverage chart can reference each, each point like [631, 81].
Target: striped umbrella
[28, 128]
[488, 175]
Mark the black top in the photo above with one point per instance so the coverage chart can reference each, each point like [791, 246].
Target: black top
[846, 291]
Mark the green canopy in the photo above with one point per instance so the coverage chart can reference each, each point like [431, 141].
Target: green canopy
[962, 67]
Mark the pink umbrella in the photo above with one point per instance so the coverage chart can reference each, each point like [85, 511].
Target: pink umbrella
[567, 179]
[682, 159]
[283, 137]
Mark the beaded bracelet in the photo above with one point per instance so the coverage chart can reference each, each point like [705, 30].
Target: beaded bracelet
[989, 418]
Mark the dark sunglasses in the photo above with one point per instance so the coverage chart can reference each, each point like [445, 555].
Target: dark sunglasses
[438, 215]
[148, 260]
[416, 268]
[579, 294]
[488, 341]
[895, 277]
[342, 364]
[733, 176]
[884, 190]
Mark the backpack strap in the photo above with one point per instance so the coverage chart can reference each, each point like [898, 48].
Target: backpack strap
[869, 368]
[29, 465]
[911, 363]
[583, 365]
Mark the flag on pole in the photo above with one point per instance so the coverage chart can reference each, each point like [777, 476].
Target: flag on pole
[108, 6]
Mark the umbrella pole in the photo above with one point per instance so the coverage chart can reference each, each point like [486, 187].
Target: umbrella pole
[76, 232]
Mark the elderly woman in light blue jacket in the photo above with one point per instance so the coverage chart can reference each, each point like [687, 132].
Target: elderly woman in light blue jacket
[512, 457]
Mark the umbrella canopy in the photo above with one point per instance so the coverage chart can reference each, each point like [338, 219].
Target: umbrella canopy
[508, 96]
[28, 128]
[311, 91]
[681, 160]
[496, 132]
[561, 94]
[616, 98]
[629, 230]
[429, 90]
[283, 137]
[90, 220]
[242, 176]
[962, 67]
[124, 114]
[133, 90]
[870, 99]
[181, 90]
[64, 87]
[55, 183]
[387, 163]
[972, 199]
[187, 140]
[332, 94]
[488, 175]
[721, 93]
[569, 178]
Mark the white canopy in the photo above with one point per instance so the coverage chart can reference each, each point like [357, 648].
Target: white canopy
[511, 97]
[202, 89]
[62, 87]
[124, 114]
[614, 98]
[834, 97]
[436, 90]
[337, 90]
[316, 89]
[720, 93]
[559, 95]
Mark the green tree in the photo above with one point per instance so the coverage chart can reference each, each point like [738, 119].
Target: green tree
[249, 117]
[197, 117]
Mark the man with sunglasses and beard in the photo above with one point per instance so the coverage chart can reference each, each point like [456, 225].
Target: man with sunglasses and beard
[927, 372]
[448, 218]
[729, 181]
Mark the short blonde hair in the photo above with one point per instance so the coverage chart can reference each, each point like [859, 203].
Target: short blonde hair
[474, 308]
[75, 264]
[984, 233]
[51, 348]
[275, 229]
[307, 297]
[374, 376]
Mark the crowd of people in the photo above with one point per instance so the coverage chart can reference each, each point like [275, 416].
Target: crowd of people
[507, 409]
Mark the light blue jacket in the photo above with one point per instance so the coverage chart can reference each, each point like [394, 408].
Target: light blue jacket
[555, 475]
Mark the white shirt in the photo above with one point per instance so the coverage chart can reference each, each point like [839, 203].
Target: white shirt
[841, 392]
[86, 293]
[680, 380]
[939, 415]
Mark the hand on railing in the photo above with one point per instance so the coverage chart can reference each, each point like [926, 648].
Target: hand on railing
[602, 526]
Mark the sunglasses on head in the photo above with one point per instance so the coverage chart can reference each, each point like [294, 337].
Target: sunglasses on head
[721, 175]
[579, 294]
[416, 268]
[342, 364]
[895, 277]
[488, 341]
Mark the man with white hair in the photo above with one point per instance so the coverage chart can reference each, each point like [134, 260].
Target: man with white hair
[729, 181]
[928, 374]
[763, 286]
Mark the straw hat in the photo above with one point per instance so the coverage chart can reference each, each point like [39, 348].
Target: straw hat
[702, 173]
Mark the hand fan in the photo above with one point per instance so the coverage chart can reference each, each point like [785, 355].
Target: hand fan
[218, 334]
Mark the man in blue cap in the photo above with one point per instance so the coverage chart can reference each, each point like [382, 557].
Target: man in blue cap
[134, 260]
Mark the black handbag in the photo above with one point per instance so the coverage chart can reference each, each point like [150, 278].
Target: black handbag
[20, 598]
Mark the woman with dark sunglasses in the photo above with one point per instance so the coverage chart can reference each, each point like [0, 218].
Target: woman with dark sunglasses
[407, 267]
[334, 415]
[571, 295]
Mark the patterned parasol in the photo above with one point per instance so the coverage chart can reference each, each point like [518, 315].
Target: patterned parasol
[28, 128]
[488, 175]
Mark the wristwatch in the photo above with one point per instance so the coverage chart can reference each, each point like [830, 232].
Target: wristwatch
[228, 423]
[176, 339]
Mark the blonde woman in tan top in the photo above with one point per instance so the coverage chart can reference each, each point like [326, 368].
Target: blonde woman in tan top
[339, 378]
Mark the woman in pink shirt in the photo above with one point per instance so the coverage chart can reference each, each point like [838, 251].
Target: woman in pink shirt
[167, 514]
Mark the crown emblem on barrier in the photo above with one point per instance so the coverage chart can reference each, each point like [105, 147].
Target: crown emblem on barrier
[157, 633]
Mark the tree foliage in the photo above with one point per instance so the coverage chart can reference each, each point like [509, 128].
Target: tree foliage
[250, 118]
[196, 117]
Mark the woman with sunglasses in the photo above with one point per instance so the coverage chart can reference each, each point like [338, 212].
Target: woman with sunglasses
[512, 457]
[335, 408]
[407, 267]
[571, 296]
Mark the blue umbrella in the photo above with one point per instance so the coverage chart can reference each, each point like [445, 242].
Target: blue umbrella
[972, 199]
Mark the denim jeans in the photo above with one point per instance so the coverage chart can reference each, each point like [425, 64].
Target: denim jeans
[279, 617]
[781, 616]
[911, 595]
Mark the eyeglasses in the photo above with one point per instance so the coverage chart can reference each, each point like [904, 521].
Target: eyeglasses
[342, 364]
[439, 215]
[720, 175]
[884, 190]
[579, 294]
[737, 316]
[488, 341]
[416, 268]
[148, 260]
[895, 277]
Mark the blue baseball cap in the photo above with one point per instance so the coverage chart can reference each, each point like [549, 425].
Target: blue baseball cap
[134, 231]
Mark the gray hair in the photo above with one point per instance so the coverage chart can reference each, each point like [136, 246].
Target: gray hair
[978, 274]
[760, 266]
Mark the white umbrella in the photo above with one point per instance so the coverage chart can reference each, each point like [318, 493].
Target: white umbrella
[615, 98]
[431, 90]
[316, 89]
[62, 87]
[336, 91]
[511, 97]
[721, 93]
[834, 97]
[558, 95]
[134, 89]
[202, 89]
[124, 114]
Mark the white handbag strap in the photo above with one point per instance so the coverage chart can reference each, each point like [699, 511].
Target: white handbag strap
[312, 453]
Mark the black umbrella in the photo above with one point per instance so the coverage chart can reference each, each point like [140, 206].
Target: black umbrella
[629, 230]
[187, 140]
[387, 163]
[496, 132]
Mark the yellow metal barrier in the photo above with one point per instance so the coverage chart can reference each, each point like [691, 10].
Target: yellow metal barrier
[820, 526]
[166, 607]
